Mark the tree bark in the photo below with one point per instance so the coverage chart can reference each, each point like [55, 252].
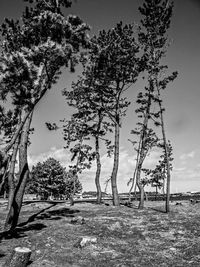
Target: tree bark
[4, 176]
[11, 182]
[167, 208]
[115, 166]
[141, 150]
[98, 160]
[20, 257]
[16, 204]
[140, 186]
[98, 171]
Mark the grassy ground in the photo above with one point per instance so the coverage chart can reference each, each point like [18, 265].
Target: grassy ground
[125, 236]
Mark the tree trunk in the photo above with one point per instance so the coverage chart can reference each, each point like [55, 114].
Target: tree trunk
[20, 257]
[14, 211]
[133, 184]
[140, 187]
[4, 176]
[11, 182]
[141, 150]
[115, 167]
[98, 160]
[98, 171]
[167, 208]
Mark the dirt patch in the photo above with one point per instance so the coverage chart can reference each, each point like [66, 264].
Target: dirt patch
[125, 236]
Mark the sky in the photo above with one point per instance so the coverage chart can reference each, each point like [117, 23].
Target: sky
[181, 99]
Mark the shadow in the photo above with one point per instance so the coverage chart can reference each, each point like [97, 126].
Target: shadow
[58, 214]
[24, 227]
[2, 255]
[20, 232]
[158, 210]
[33, 217]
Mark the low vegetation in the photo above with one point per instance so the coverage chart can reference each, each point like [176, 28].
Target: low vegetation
[125, 236]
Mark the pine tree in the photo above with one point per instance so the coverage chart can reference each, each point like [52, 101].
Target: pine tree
[33, 53]
[110, 69]
[152, 38]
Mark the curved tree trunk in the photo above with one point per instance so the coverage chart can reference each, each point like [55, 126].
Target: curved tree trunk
[11, 179]
[115, 167]
[14, 211]
[140, 186]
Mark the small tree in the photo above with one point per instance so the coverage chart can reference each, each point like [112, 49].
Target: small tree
[51, 179]
[88, 108]
[75, 134]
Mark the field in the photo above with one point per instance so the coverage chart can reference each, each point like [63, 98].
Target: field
[122, 236]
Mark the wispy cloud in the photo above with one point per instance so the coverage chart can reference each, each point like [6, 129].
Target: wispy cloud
[59, 154]
[125, 171]
[187, 155]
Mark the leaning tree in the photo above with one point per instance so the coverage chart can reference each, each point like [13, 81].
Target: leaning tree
[153, 42]
[33, 53]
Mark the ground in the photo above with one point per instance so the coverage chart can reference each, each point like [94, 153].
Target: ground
[125, 236]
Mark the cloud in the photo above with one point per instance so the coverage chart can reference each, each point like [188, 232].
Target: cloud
[187, 155]
[60, 154]
[125, 170]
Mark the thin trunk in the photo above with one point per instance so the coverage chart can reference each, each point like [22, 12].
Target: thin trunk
[71, 198]
[98, 171]
[4, 176]
[146, 196]
[141, 202]
[98, 160]
[142, 153]
[115, 166]
[140, 186]
[11, 181]
[14, 211]
[134, 174]
[167, 208]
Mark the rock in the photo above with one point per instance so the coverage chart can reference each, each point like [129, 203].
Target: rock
[114, 226]
[78, 220]
[194, 201]
[179, 204]
[84, 241]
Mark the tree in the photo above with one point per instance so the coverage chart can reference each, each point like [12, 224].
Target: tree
[111, 68]
[34, 51]
[51, 179]
[156, 21]
[9, 121]
[147, 141]
[86, 105]
[76, 135]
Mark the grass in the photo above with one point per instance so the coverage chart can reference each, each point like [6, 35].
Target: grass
[125, 236]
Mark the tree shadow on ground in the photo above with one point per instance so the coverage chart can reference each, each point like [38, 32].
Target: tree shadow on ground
[158, 209]
[33, 217]
[2, 254]
[58, 214]
[20, 232]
